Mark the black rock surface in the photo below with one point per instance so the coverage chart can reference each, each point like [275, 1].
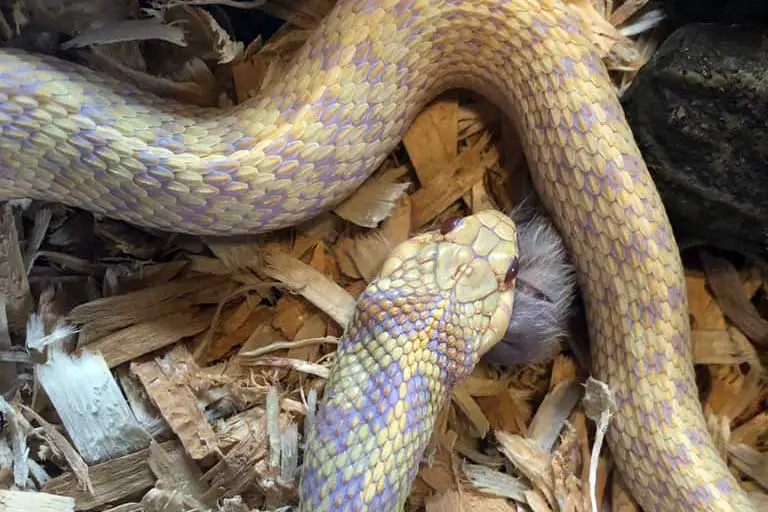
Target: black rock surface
[699, 112]
[717, 11]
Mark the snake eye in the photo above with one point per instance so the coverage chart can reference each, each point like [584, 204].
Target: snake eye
[514, 268]
[450, 224]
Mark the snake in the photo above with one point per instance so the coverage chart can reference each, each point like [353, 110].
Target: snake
[308, 140]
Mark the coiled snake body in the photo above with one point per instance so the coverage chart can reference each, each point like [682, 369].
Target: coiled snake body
[77, 137]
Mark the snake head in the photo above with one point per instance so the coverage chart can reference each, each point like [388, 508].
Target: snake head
[471, 263]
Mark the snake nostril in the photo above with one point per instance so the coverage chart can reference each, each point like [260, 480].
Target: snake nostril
[450, 224]
[514, 268]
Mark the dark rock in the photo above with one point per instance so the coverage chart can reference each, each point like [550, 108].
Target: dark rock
[716, 11]
[699, 112]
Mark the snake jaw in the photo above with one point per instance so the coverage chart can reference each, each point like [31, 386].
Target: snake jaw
[497, 326]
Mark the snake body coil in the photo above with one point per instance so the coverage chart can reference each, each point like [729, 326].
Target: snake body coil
[77, 137]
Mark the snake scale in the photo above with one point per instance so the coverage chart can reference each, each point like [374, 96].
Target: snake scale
[74, 136]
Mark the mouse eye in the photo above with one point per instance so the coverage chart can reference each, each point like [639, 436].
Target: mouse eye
[514, 268]
[450, 224]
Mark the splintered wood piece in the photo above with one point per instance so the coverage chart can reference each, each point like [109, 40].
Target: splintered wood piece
[20, 501]
[454, 181]
[107, 315]
[728, 289]
[431, 139]
[14, 286]
[373, 202]
[305, 14]
[245, 439]
[470, 408]
[165, 383]
[8, 374]
[533, 462]
[553, 412]
[179, 475]
[91, 406]
[144, 410]
[323, 293]
[113, 480]
[145, 337]
[495, 482]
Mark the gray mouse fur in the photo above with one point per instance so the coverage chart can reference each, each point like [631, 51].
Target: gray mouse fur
[544, 294]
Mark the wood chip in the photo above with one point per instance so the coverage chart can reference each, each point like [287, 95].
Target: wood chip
[727, 287]
[19, 501]
[139, 339]
[14, 286]
[439, 193]
[311, 284]
[112, 480]
[74, 385]
[164, 380]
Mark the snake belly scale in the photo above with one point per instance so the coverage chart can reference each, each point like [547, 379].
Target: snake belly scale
[305, 143]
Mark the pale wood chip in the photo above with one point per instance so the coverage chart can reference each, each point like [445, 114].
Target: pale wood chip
[246, 462]
[14, 286]
[314, 328]
[323, 293]
[479, 198]
[438, 473]
[477, 117]
[751, 462]
[732, 391]
[472, 410]
[478, 385]
[626, 10]
[16, 437]
[8, 373]
[165, 380]
[199, 89]
[179, 475]
[431, 139]
[455, 180]
[728, 289]
[397, 227]
[91, 405]
[723, 347]
[495, 482]
[448, 500]
[373, 202]
[302, 13]
[20, 501]
[113, 480]
[139, 339]
[751, 431]
[366, 253]
[128, 507]
[146, 413]
[290, 315]
[552, 414]
[104, 316]
[127, 30]
[298, 365]
[702, 306]
[537, 501]
[533, 462]
[263, 65]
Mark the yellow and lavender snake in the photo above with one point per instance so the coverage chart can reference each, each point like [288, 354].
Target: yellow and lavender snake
[309, 140]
